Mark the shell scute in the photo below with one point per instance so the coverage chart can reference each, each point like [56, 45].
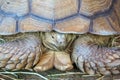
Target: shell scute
[31, 24]
[10, 27]
[91, 7]
[17, 7]
[54, 9]
[102, 26]
[75, 25]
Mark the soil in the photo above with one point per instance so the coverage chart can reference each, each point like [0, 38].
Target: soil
[54, 74]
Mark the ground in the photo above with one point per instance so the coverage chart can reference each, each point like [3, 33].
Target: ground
[53, 74]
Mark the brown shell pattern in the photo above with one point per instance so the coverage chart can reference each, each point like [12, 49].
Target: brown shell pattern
[66, 16]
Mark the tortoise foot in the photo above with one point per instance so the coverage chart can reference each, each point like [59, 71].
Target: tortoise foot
[22, 53]
[46, 62]
[59, 60]
[62, 61]
[92, 59]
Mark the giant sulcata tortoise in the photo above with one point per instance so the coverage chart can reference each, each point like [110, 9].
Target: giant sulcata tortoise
[60, 21]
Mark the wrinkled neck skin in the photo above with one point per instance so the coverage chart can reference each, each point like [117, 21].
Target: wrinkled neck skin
[57, 41]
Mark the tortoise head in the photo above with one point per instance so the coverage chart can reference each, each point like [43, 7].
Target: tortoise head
[55, 41]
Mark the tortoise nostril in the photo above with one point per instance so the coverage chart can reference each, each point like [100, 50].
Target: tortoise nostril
[8, 2]
[60, 42]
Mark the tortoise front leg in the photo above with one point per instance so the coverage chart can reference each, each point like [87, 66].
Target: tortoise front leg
[22, 53]
[92, 58]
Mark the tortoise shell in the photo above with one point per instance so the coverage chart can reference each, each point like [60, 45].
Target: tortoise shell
[65, 16]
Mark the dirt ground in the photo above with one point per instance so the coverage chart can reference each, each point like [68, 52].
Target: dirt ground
[54, 74]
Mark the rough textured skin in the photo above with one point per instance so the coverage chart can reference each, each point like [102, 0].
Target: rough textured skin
[20, 54]
[65, 16]
[91, 58]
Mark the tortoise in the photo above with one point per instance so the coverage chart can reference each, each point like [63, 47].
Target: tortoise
[60, 21]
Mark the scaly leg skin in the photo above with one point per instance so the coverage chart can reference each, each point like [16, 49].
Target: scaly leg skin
[92, 59]
[59, 60]
[22, 53]
[55, 56]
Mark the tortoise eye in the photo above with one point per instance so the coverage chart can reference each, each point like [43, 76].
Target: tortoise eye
[8, 2]
[53, 37]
